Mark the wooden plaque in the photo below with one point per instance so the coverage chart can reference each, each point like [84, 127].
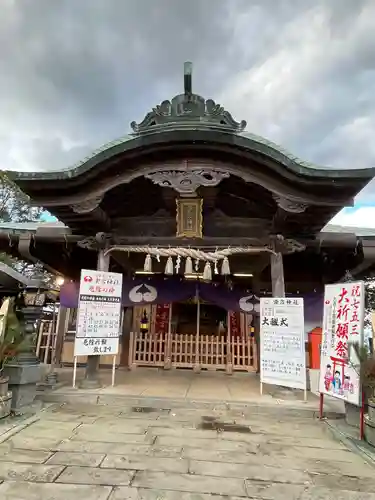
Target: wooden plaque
[189, 217]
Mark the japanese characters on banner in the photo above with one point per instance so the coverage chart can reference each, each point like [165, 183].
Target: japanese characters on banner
[162, 318]
[282, 342]
[234, 324]
[99, 313]
[343, 321]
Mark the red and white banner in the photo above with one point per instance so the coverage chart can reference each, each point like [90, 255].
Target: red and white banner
[99, 313]
[343, 321]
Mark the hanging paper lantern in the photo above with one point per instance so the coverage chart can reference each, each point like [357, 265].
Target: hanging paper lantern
[188, 266]
[225, 269]
[148, 264]
[144, 323]
[169, 266]
[207, 273]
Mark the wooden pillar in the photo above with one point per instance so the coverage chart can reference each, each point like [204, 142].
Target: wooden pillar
[197, 367]
[168, 342]
[91, 380]
[127, 323]
[229, 360]
[256, 322]
[277, 275]
[61, 329]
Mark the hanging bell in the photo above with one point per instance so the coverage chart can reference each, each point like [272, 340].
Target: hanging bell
[148, 264]
[188, 266]
[225, 269]
[169, 266]
[207, 273]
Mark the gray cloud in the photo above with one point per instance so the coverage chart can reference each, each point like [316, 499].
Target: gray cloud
[74, 74]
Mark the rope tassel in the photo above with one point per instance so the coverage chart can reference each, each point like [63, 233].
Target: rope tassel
[148, 264]
[225, 269]
[207, 273]
[169, 266]
[188, 266]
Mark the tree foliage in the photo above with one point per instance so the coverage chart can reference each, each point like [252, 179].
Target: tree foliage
[370, 294]
[12, 338]
[15, 206]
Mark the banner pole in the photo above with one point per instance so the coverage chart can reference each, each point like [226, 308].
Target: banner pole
[74, 372]
[321, 404]
[362, 418]
[114, 370]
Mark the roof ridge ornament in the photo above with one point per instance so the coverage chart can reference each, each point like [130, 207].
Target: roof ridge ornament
[186, 111]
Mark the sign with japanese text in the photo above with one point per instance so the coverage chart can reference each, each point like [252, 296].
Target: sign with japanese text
[282, 342]
[96, 346]
[99, 309]
[343, 321]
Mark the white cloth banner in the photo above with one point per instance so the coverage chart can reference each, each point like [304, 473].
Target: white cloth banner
[282, 342]
[343, 322]
[96, 347]
[99, 307]
[99, 313]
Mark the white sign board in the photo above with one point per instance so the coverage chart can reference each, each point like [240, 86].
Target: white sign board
[99, 313]
[96, 346]
[282, 342]
[343, 322]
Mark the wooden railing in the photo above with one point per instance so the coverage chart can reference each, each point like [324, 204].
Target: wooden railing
[211, 352]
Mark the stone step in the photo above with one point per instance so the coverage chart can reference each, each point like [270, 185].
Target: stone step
[147, 403]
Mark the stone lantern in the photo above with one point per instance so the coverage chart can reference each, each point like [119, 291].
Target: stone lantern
[24, 371]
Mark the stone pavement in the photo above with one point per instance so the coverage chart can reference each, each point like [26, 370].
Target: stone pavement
[104, 452]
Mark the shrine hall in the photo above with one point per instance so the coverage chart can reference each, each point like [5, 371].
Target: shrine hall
[202, 218]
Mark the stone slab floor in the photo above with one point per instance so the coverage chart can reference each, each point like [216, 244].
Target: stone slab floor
[104, 452]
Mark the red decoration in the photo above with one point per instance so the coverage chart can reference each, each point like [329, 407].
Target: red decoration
[234, 323]
[162, 318]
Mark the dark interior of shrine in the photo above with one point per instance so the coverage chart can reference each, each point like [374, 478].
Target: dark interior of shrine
[184, 317]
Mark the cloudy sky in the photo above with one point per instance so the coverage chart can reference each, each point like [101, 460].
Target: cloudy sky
[75, 73]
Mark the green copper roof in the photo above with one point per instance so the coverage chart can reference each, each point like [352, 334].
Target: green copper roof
[244, 140]
[188, 118]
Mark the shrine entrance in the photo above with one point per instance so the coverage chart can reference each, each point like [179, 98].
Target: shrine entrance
[189, 192]
[195, 335]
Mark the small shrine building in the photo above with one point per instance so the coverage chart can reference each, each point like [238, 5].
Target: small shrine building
[202, 218]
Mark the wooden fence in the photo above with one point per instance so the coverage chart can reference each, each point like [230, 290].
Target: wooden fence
[210, 352]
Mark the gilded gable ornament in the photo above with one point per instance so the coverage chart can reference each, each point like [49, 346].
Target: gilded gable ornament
[189, 217]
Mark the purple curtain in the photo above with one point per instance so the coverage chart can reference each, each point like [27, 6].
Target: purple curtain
[155, 290]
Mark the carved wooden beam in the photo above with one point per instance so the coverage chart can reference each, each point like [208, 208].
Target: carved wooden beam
[264, 177]
[285, 206]
[205, 242]
[92, 207]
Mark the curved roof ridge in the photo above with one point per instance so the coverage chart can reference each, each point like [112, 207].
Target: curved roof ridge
[97, 151]
[280, 150]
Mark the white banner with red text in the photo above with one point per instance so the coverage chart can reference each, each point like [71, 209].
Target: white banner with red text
[343, 322]
[99, 313]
